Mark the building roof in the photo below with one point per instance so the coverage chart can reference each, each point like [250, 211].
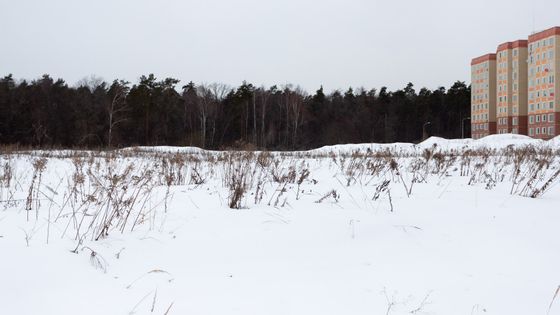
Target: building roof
[544, 34]
[504, 46]
[483, 58]
[512, 45]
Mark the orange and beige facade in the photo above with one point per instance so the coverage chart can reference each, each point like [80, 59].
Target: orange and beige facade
[511, 88]
[483, 93]
[515, 90]
[543, 62]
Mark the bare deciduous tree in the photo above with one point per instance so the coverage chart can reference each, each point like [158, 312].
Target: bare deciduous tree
[91, 82]
[117, 106]
[209, 98]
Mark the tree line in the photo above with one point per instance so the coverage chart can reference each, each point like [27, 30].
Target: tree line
[97, 114]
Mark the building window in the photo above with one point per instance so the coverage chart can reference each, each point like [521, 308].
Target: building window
[550, 117]
[514, 121]
[538, 118]
[543, 118]
[531, 119]
[538, 131]
[551, 104]
[551, 131]
[531, 132]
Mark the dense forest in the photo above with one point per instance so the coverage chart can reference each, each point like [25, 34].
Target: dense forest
[95, 114]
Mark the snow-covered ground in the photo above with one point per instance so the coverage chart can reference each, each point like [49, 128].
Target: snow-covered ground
[442, 227]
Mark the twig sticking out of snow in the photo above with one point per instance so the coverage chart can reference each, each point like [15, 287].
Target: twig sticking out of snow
[154, 271]
[553, 299]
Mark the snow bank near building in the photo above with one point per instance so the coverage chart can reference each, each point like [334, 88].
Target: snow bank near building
[490, 142]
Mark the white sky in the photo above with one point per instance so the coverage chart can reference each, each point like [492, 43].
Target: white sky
[336, 44]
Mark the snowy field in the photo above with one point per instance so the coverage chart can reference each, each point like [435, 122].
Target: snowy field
[443, 227]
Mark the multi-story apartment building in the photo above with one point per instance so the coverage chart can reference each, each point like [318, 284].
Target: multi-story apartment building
[511, 99]
[544, 87]
[483, 91]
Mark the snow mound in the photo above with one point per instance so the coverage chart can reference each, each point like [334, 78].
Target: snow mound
[362, 148]
[444, 144]
[489, 142]
[505, 140]
[497, 142]
[167, 149]
[555, 142]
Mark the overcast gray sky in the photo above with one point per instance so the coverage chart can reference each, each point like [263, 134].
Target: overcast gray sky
[336, 44]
